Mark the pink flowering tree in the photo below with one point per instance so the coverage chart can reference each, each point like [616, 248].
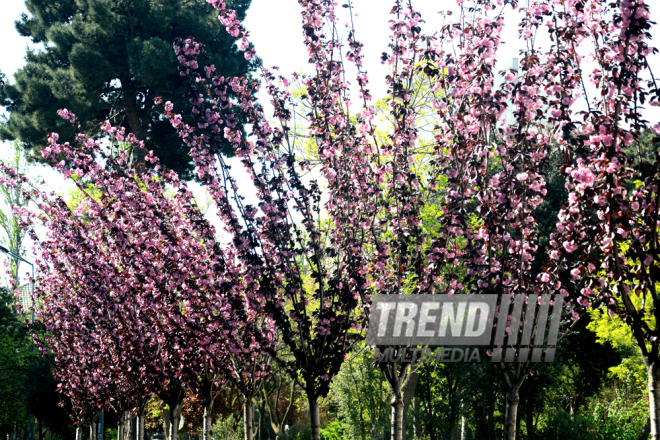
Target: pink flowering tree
[285, 241]
[605, 250]
[312, 267]
[139, 298]
[374, 188]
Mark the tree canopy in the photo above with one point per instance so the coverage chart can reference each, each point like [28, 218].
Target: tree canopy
[108, 60]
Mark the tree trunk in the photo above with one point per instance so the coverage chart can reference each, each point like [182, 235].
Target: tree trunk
[417, 426]
[92, 429]
[397, 421]
[134, 124]
[248, 419]
[314, 417]
[129, 427]
[166, 421]
[408, 393]
[120, 426]
[208, 420]
[402, 386]
[511, 414]
[140, 425]
[529, 421]
[430, 424]
[653, 370]
[171, 418]
[78, 432]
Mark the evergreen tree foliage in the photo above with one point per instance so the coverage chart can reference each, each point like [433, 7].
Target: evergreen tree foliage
[109, 59]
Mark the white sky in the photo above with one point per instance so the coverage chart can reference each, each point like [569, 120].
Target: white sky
[275, 30]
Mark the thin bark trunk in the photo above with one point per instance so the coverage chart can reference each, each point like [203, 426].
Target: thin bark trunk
[92, 429]
[653, 370]
[130, 427]
[140, 425]
[134, 124]
[429, 406]
[173, 425]
[408, 393]
[417, 427]
[397, 421]
[261, 407]
[511, 414]
[78, 432]
[314, 417]
[166, 421]
[400, 382]
[277, 423]
[248, 419]
[208, 420]
[120, 426]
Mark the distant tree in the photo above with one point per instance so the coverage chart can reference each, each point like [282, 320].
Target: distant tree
[11, 234]
[12, 375]
[107, 60]
[361, 396]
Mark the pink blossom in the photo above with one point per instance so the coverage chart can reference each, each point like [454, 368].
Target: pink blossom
[583, 175]
[583, 302]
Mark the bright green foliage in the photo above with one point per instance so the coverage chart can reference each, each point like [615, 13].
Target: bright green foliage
[562, 425]
[109, 59]
[11, 235]
[229, 428]
[631, 371]
[337, 430]
[110, 434]
[621, 419]
[359, 393]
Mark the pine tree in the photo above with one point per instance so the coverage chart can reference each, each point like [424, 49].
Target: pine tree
[108, 60]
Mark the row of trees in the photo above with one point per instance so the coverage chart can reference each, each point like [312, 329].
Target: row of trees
[140, 298]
